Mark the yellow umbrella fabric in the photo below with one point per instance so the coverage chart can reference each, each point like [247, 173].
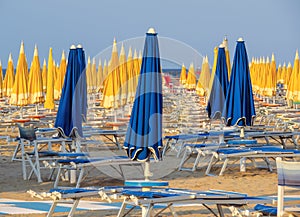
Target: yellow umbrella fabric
[61, 72]
[19, 94]
[213, 71]
[203, 82]
[279, 74]
[293, 83]
[94, 76]
[1, 80]
[182, 78]
[123, 76]
[112, 84]
[289, 70]
[9, 77]
[270, 78]
[89, 76]
[225, 43]
[35, 83]
[131, 77]
[100, 77]
[49, 102]
[191, 78]
[44, 76]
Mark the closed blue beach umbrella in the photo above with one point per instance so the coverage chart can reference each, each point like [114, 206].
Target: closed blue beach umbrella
[217, 95]
[239, 105]
[73, 101]
[144, 133]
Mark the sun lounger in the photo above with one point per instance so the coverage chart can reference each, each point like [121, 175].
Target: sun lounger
[264, 152]
[206, 149]
[81, 164]
[166, 199]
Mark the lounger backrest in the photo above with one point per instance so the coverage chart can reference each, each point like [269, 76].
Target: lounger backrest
[288, 173]
[27, 133]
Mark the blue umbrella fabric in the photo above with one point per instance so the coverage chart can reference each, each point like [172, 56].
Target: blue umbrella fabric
[217, 95]
[73, 101]
[144, 133]
[239, 105]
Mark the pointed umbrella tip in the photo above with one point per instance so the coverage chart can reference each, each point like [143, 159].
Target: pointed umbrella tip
[35, 51]
[79, 46]
[151, 31]
[72, 46]
[240, 39]
[221, 45]
[22, 47]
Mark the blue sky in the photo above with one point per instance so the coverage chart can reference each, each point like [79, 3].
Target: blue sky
[266, 25]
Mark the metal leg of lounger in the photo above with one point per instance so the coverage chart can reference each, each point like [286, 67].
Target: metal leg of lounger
[199, 154]
[123, 207]
[73, 208]
[184, 157]
[268, 164]
[80, 177]
[23, 161]
[35, 168]
[210, 164]
[220, 210]
[224, 167]
[17, 149]
[57, 177]
[52, 208]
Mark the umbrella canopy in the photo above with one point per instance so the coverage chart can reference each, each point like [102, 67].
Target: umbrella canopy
[183, 75]
[292, 90]
[9, 78]
[239, 105]
[61, 72]
[100, 77]
[131, 77]
[1, 80]
[111, 98]
[191, 78]
[217, 94]
[203, 82]
[49, 102]
[73, 101]
[44, 76]
[19, 94]
[144, 133]
[35, 83]
[123, 76]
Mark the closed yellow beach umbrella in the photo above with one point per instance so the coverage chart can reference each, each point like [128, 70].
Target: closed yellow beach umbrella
[112, 84]
[289, 70]
[131, 77]
[89, 76]
[19, 94]
[213, 71]
[182, 78]
[49, 102]
[293, 82]
[94, 75]
[270, 78]
[1, 80]
[44, 76]
[123, 76]
[100, 77]
[203, 82]
[60, 77]
[191, 78]
[225, 43]
[9, 77]
[279, 74]
[35, 82]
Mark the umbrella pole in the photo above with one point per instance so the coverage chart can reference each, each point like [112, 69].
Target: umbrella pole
[147, 172]
[21, 112]
[36, 108]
